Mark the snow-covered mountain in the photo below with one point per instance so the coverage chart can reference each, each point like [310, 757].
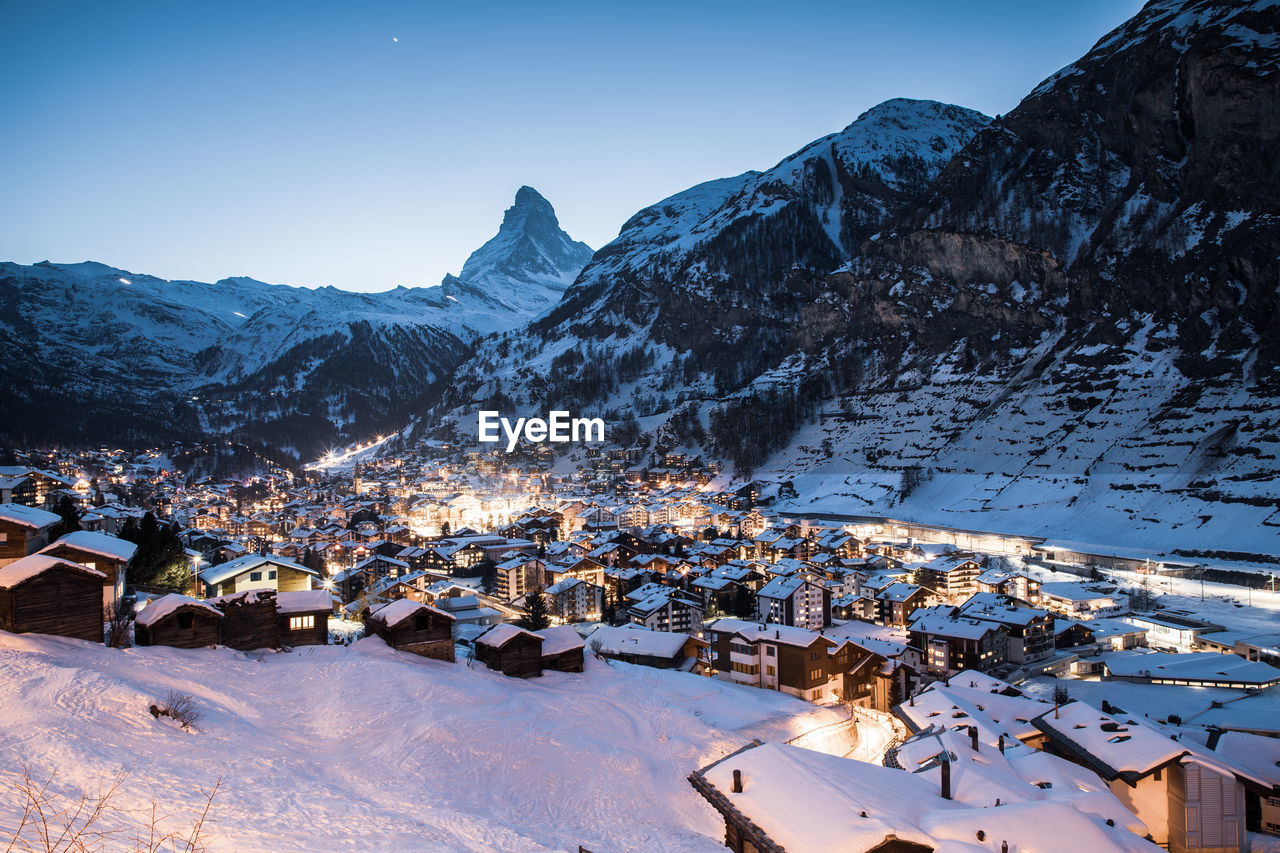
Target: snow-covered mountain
[1060, 321]
[529, 262]
[714, 277]
[96, 353]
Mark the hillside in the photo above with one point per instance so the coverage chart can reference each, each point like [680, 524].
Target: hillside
[362, 747]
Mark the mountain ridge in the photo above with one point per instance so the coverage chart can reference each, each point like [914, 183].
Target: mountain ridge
[93, 352]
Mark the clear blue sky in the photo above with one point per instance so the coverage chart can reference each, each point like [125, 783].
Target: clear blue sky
[300, 143]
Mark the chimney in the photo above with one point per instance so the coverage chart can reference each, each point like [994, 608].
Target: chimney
[973, 737]
[1002, 744]
[737, 782]
[946, 779]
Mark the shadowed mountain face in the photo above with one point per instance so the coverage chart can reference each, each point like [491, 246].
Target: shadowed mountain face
[1070, 309]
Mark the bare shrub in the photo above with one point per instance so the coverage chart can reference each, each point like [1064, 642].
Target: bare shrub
[180, 707]
[119, 616]
[93, 823]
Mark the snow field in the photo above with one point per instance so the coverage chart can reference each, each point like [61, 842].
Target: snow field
[362, 747]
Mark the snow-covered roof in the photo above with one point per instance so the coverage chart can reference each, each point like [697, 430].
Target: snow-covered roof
[232, 568]
[805, 800]
[975, 699]
[1069, 591]
[754, 632]
[1111, 747]
[993, 607]
[1018, 774]
[558, 639]
[637, 640]
[28, 516]
[304, 601]
[1196, 666]
[563, 585]
[166, 604]
[500, 635]
[401, 609]
[898, 591]
[935, 623]
[781, 587]
[28, 567]
[111, 547]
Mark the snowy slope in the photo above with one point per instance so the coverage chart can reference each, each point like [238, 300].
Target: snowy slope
[359, 748]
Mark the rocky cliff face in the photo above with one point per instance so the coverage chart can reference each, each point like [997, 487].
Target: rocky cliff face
[1060, 319]
[530, 261]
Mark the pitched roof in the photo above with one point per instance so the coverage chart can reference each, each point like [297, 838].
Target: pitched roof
[232, 568]
[28, 567]
[499, 635]
[397, 611]
[28, 516]
[171, 603]
[111, 547]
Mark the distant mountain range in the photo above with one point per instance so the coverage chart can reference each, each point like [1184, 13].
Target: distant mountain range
[91, 353]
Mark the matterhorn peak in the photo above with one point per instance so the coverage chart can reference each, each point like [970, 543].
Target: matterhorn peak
[531, 260]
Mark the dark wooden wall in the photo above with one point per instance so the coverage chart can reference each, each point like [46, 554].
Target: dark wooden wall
[521, 657]
[15, 545]
[60, 601]
[434, 640]
[570, 661]
[250, 625]
[205, 630]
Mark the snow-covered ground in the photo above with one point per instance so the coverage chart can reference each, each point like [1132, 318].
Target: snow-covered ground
[362, 747]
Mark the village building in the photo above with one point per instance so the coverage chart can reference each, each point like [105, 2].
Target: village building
[24, 530]
[511, 650]
[40, 594]
[257, 572]
[180, 621]
[562, 649]
[107, 554]
[414, 627]
[795, 600]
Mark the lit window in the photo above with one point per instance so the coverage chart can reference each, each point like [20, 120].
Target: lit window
[301, 623]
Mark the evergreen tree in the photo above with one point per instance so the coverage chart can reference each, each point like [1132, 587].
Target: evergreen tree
[160, 560]
[744, 603]
[70, 523]
[536, 617]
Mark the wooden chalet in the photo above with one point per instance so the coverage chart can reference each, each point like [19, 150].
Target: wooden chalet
[23, 530]
[412, 626]
[511, 650]
[108, 554]
[179, 621]
[303, 617]
[562, 649]
[250, 619]
[257, 572]
[40, 594]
